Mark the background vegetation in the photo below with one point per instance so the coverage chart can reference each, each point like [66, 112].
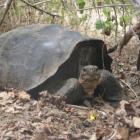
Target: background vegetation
[99, 18]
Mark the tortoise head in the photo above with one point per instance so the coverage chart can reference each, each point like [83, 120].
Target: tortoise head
[89, 78]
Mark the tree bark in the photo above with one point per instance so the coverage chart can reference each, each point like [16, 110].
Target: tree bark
[126, 38]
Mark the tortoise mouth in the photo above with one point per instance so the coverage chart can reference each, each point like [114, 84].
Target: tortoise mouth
[89, 73]
[89, 78]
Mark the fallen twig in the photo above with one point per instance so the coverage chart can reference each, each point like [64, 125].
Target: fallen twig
[79, 107]
[135, 94]
[113, 135]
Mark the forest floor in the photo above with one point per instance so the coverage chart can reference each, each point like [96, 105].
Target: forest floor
[23, 118]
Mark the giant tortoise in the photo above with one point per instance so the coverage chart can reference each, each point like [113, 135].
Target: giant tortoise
[40, 57]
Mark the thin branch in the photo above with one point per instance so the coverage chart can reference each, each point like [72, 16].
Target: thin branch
[33, 6]
[111, 5]
[112, 49]
[116, 22]
[41, 2]
[97, 10]
[7, 7]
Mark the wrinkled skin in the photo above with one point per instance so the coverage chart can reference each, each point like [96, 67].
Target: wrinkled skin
[92, 82]
[72, 89]
[102, 83]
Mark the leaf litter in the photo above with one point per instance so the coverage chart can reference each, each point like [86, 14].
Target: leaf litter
[50, 118]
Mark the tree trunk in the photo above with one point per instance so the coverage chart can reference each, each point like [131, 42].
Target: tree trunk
[126, 38]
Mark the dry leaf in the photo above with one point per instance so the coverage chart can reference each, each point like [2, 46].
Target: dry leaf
[135, 135]
[136, 122]
[23, 96]
[93, 137]
[121, 110]
[122, 133]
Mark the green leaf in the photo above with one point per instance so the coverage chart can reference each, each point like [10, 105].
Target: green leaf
[125, 20]
[106, 12]
[83, 18]
[108, 1]
[108, 27]
[100, 24]
[80, 3]
[98, 2]
[109, 24]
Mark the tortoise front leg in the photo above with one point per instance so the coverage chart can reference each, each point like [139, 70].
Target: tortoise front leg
[72, 90]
